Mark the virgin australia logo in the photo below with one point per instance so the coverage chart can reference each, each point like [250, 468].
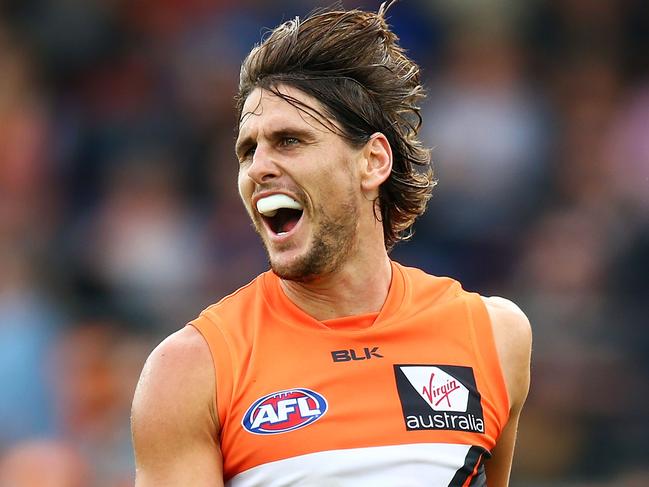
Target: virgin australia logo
[439, 397]
[441, 391]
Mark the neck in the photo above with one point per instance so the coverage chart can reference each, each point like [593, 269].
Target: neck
[353, 290]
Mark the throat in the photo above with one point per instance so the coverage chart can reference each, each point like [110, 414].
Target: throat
[333, 297]
[285, 220]
[354, 322]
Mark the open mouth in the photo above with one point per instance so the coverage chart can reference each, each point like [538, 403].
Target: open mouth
[280, 212]
[284, 220]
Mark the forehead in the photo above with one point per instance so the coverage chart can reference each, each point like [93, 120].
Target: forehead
[265, 107]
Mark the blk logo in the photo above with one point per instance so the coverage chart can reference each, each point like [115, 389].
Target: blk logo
[442, 397]
[351, 354]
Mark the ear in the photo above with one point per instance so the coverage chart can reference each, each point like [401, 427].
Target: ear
[377, 164]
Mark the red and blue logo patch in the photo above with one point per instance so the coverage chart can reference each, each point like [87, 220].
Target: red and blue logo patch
[284, 411]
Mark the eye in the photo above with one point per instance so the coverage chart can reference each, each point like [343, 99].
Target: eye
[247, 154]
[288, 141]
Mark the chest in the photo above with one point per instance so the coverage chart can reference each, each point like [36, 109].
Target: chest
[298, 394]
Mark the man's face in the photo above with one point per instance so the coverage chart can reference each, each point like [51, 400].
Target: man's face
[299, 183]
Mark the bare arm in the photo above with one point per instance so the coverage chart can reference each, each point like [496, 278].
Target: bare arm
[513, 337]
[174, 421]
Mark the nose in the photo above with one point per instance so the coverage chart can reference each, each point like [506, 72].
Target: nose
[263, 167]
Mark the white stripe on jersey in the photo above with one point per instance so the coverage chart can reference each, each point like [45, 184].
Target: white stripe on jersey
[412, 465]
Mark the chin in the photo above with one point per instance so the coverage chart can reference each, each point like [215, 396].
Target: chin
[332, 243]
[323, 257]
[299, 270]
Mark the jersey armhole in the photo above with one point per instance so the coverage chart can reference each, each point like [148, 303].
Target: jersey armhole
[222, 362]
[487, 352]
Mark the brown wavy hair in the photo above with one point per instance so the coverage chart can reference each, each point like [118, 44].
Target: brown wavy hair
[351, 62]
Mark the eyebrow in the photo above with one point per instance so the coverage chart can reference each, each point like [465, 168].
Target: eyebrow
[242, 145]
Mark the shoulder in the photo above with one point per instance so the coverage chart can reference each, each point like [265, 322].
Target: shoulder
[173, 421]
[508, 320]
[239, 300]
[513, 338]
[177, 383]
[427, 288]
[183, 357]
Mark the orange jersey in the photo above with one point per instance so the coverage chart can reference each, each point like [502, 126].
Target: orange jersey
[412, 395]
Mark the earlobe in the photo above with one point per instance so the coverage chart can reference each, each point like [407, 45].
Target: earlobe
[378, 164]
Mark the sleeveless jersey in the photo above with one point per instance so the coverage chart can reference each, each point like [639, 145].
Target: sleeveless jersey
[411, 396]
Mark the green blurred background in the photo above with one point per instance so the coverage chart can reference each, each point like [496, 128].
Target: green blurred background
[120, 221]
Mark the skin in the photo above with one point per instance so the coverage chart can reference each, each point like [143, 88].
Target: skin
[319, 168]
[513, 337]
[329, 230]
[281, 149]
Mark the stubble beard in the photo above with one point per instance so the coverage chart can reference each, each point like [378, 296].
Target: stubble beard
[334, 239]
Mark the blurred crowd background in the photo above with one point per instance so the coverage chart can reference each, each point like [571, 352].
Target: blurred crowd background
[120, 221]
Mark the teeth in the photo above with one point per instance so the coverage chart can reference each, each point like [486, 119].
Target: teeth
[269, 205]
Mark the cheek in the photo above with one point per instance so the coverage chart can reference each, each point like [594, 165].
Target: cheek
[246, 187]
[341, 183]
[244, 184]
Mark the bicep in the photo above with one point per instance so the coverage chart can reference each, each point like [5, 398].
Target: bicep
[173, 427]
[513, 337]
[498, 468]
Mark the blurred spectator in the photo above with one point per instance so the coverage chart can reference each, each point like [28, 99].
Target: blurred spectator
[94, 369]
[145, 244]
[43, 464]
[28, 316]
[490, 140]
[28, 323]
[628, 163]
[487, 131]
[27, 201]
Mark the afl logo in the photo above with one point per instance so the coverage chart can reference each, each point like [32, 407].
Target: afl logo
[284, 411]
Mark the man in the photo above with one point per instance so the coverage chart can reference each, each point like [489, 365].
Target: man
[339, 366]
